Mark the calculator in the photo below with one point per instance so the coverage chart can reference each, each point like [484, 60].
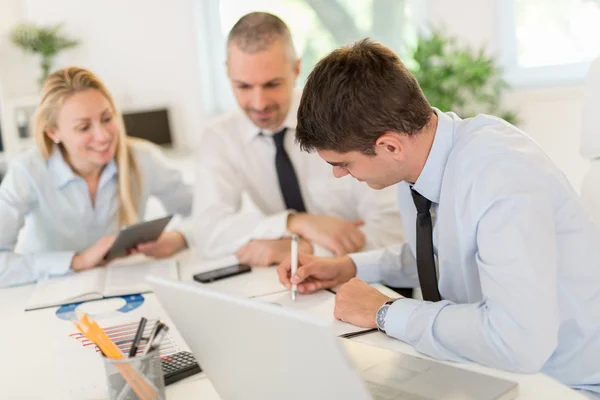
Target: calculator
[178, 366]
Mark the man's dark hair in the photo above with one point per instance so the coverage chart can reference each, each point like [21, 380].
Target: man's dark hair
[354, 95]
[257, 31]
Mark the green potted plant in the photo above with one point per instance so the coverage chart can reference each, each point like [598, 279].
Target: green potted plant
[47, 41]
[457, 78]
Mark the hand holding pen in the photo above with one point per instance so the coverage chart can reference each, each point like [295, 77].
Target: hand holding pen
[315, 273]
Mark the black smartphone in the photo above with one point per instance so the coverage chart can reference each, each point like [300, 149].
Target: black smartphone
[221, 273]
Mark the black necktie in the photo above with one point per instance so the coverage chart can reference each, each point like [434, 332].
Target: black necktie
[425, 260]
[288, 181]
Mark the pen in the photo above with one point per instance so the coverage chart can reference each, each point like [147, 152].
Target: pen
[158, 326]
[158, 338]
[138, 337]
[358, 333]
[294, 264]
[155, 329]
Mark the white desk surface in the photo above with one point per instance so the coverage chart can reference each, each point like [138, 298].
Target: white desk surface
[41, 360]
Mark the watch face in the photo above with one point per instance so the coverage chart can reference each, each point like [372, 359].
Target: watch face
[381, 316]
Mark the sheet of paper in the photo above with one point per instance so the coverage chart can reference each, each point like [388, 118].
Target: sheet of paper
[261, 281]
[128, 278]
[320, 303]
[78, 286]
[385, 290]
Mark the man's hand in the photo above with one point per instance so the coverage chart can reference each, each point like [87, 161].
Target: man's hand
[93, 255]
[264, 252]
[357, 303]
[167, 244]
[316, 273]
[338, 235]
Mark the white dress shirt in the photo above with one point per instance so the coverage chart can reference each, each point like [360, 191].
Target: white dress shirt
[235, 159]
[518, 258]
[55, 206]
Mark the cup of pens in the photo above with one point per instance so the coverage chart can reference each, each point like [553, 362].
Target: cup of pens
[139, 375]
[132, 378]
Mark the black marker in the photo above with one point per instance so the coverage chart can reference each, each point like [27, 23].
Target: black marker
[138, 337]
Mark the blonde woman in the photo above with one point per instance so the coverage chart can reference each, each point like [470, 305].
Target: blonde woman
[84, 181]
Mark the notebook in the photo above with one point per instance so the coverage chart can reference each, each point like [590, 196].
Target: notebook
[116, 279]
[321, 303]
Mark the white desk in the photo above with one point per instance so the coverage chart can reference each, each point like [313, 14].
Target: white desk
[42, 361]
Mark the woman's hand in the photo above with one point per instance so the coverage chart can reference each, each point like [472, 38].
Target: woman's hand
[93, 255]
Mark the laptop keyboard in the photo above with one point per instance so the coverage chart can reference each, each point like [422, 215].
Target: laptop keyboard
[381, 392]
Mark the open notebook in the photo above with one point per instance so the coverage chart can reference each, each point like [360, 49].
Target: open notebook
[116, 279]
[321, 303]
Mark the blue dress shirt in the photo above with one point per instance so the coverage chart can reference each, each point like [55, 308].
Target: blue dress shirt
[518, 258]
[53, 204]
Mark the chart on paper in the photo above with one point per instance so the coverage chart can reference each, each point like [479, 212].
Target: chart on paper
[122, 335]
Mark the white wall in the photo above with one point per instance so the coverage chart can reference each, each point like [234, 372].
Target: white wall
[552, 115]
[15, 66]
[14, 69]
[144, 50]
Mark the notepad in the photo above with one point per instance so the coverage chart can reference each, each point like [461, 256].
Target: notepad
[321, 303]
[116, 279]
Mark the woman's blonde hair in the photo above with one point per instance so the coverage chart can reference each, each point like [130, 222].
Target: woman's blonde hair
[59, 86]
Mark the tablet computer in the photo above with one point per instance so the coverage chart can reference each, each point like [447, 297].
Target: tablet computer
[132, 235]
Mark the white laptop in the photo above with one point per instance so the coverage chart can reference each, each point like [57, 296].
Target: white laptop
[256, 350]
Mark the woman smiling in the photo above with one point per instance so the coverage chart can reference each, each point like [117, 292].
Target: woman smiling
[85, 180]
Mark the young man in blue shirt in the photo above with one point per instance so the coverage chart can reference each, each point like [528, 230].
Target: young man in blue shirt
[506, 255]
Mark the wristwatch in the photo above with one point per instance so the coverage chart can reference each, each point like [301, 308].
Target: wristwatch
[381, 313]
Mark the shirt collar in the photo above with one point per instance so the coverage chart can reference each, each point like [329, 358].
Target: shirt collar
[429, 183]
[108, 173]
[290, 121]
[62, 173]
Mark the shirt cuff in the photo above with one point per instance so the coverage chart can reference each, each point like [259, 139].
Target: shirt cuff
[185, 230]
[396, 319]
[272, 227]
[53, 264]
[367, 265]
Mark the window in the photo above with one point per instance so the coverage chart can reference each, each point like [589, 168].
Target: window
[318, 27]
[546, 42]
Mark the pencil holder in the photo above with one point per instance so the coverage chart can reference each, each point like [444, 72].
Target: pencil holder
[135, 378]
